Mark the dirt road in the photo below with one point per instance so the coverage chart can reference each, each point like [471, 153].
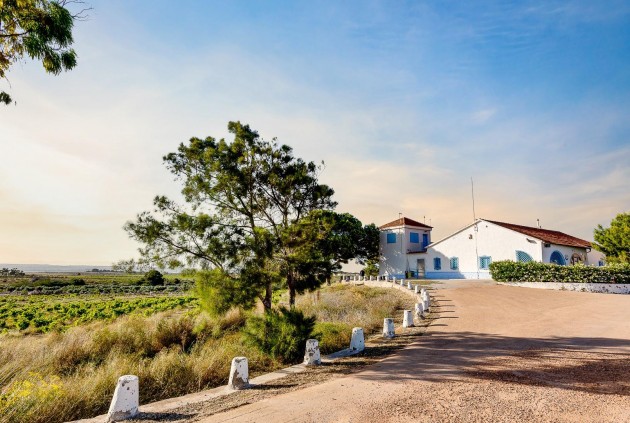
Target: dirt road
[496, 354]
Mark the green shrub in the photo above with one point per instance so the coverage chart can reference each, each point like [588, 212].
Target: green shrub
[509, 271]
[154, 278]
[281, 333]
[332, 336]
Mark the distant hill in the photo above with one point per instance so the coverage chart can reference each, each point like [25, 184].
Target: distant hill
[52, 268]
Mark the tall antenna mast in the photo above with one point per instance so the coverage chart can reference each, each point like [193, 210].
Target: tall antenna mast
[476, 229]
[472, 190]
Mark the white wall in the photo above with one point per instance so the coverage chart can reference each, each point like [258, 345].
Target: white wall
[566, 252]
[491, 240]
[394, 260]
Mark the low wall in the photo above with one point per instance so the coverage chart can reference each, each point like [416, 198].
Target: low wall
[384, 284]
[608, 288]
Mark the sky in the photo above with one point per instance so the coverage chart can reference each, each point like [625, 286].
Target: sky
[404, 102]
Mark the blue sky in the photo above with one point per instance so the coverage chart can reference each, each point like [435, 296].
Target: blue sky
[404, 101]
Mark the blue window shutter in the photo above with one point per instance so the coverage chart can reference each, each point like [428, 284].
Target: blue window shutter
[425, 240]
[391, 238]
[484, 262]
[437, 263]
[414, 238]
[454, 263]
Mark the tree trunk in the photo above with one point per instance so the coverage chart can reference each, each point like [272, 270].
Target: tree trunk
[291, 290]
[267, 300]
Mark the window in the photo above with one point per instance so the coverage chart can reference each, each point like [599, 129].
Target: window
[600, 263]
[425, 240]
[556, 257]
[414, 238]
[454, 263]
[391, 238]
[437, 263]
[484, 262]
[523, 257]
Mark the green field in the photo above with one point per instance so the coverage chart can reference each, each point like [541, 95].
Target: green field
[44, 313]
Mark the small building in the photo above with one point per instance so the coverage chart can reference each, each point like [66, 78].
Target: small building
[407, 250]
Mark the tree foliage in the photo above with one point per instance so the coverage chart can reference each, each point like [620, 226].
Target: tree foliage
[615, 240]
[39, 29]
[255, 216]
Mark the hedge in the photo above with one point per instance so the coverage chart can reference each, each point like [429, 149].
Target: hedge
[509, 271]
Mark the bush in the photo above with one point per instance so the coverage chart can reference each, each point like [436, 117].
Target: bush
[509, 271]
[154, 278]
[332, 336]
[281, 333]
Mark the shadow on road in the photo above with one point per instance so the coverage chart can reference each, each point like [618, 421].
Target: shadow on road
[580, 364]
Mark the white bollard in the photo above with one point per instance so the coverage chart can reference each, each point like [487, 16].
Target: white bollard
[423, 291]
[126, 399]
[407, 319]
[402, 282]
[357, 343]
[312, 356]
[388, 328]
[420, 310]
[239, 373]
[427, 303]
[416, 289]
[394, 279]
[409, 285]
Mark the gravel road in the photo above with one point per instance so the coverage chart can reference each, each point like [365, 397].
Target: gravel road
[495, 354]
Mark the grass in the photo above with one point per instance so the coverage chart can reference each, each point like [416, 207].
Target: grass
[339, 308]
[62, 376]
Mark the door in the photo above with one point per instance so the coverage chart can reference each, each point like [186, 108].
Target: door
[420, 270]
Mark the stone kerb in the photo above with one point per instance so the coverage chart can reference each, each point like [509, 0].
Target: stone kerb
[388, 328]
[407, 319]
[239, 373]
[357, 343]
[420, 309]
[312, 356]
[125, 401]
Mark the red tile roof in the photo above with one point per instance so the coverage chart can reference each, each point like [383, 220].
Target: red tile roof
[405, 221]
[546, 235]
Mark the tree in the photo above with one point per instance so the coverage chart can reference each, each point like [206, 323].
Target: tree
[154, 277]
[131, 266]
[614, 241]
[247, 219]
[40, 29]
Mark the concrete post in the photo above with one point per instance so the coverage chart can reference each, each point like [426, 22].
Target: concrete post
[423, 291]
[409, 285]
[357, 343]
[394, 279]
[416, 288]
[239, 373]
[407, 319]
[126, 399]
[427, 303]
[420, 310]
[388, 328]
[312, 356]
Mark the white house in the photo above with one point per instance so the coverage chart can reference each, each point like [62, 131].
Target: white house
[407, 250]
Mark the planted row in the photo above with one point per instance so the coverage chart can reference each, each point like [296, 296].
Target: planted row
[115, 289]
[44, 316]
